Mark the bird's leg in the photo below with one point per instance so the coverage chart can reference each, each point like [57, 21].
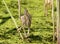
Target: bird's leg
[20, 33]
[28, 31]
[24, 31]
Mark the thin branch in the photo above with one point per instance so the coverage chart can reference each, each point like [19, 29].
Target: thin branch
[13, 19]
[19, 8]
[53, 20]
[58, 22]
[10, 14]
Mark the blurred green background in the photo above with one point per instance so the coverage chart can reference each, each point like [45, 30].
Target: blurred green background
[41, 28]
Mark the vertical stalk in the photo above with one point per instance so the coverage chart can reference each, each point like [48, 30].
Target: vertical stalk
[53, 20]
[58, 21]
[19, 8]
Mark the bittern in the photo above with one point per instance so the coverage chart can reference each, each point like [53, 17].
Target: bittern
[26, 21]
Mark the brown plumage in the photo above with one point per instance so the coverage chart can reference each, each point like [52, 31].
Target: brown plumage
[26, 20]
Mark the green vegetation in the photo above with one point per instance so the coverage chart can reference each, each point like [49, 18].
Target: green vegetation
[41, 28]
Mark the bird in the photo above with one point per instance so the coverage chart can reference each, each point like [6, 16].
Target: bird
[26, 21]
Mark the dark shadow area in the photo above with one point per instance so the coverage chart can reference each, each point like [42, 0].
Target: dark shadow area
[13, 32]
[4, 19]
[6, 35]
[34, 38]
[55, 9]
[32, 30]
